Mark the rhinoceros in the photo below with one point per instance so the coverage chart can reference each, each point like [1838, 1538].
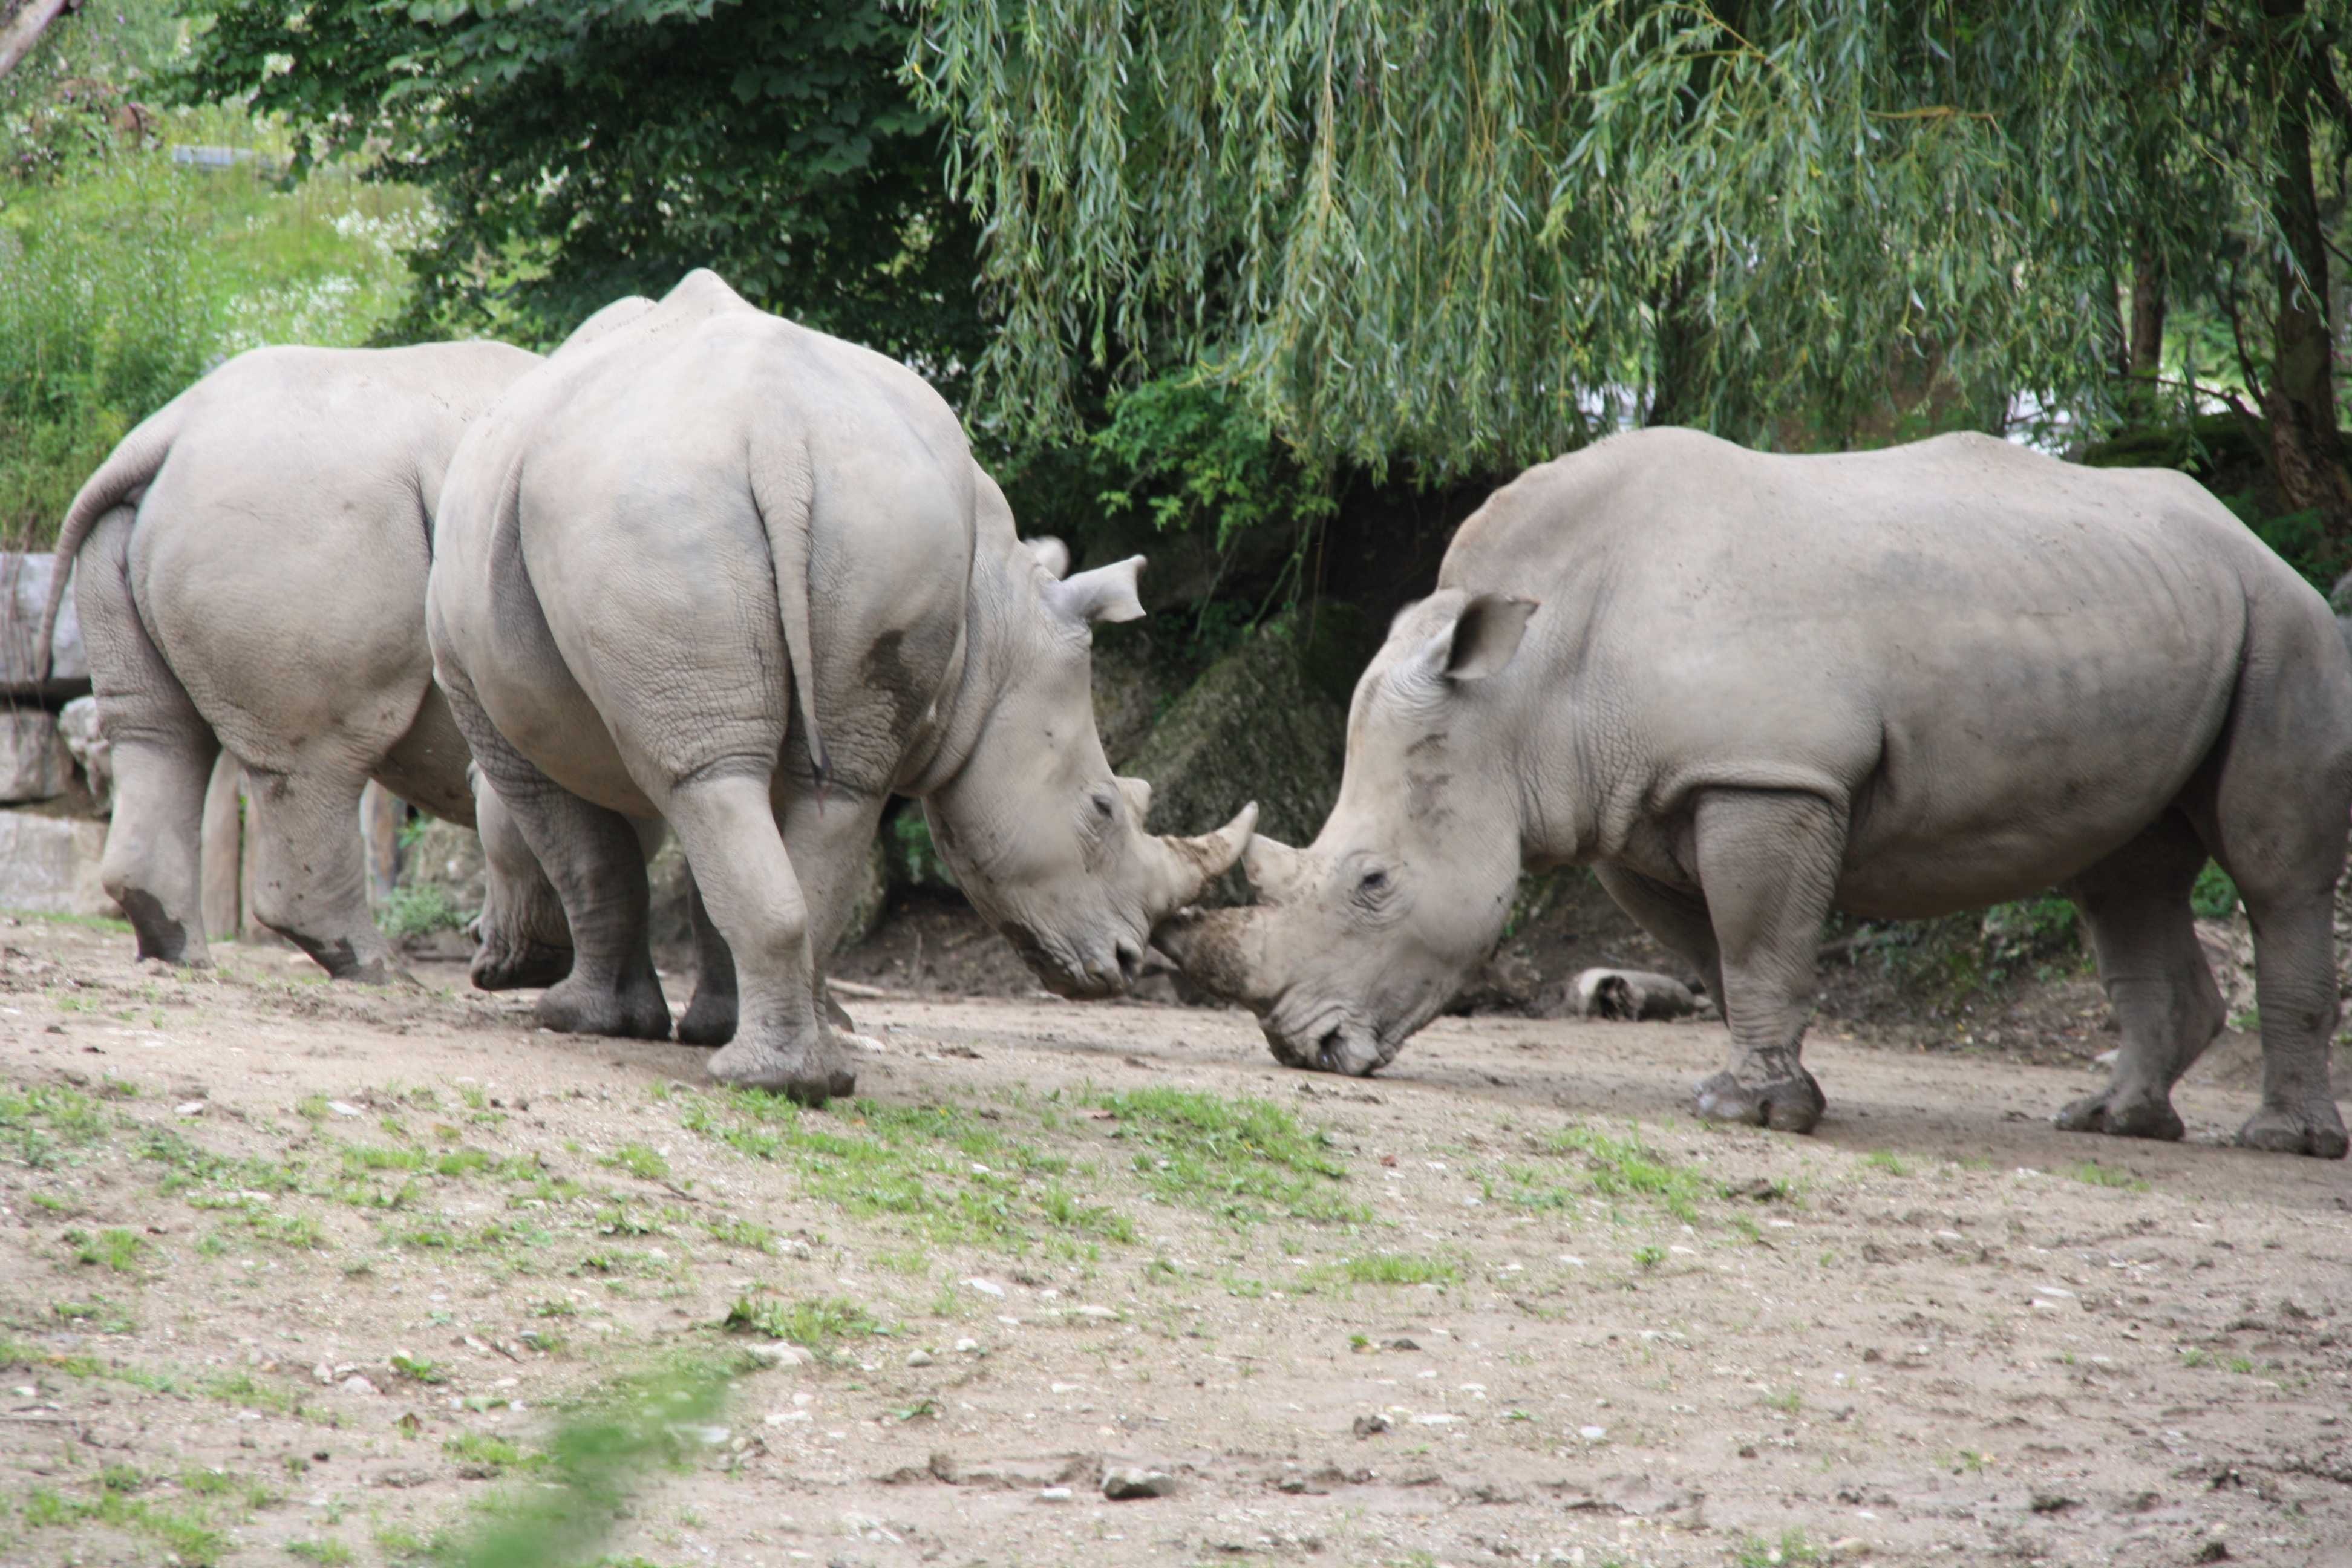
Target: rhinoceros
[717, 568]
[1749, 690]
[251, 574]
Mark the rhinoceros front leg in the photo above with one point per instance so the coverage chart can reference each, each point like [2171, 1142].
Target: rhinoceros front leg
[2135, 904]
[1767, 866]
[774, 906]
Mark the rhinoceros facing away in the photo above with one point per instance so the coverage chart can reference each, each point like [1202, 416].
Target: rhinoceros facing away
[251, 575]
[1749, 690]
[711, 566]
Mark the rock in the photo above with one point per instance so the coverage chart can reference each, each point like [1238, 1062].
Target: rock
[23, 586]
[355, 1384]
[777, 1354]
[1263, 723]
[1130, 1481]
[918, 1358]
[323, 1374]
[1056, 1494]
[34, 763]
[48, 865]
[1371, 1425]
[1129, 685]
[92, 751]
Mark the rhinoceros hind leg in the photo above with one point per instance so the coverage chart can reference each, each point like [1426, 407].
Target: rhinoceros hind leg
[2136, 905]
[596, 864]
[522, 938]
[750, 891]
[710, 1018]
[164, 754]
[310, 872]
[1768, 867]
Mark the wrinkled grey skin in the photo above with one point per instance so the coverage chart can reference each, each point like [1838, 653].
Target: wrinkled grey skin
[704, 557]
[1751, 689]
[252, 566]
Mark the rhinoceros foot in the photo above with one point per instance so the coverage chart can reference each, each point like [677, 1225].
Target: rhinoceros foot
[804, 1071]
[708, 1019]
[580, 1006]
[511, 964]
[1786, 1105]
[2313, 1128]
[2119, 1116]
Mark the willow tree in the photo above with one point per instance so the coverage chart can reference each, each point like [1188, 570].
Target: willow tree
[1475, 235]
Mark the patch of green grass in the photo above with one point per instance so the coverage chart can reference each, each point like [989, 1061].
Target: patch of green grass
[420, 909]
[186, 1534]
[819, 1327]
[38, 1121]
[1787, 1402]
[1886, 1159]
[640, 1160]
[487, 1451]
[1649, 1257]
[328, 1553]
[1754, 1552]
[417, 1370]
[1625, 1168]
[1392, 1269]
[242, 1388]
[1241, 1158]
[97, 1312]
[121, 1250]
[938, 1171]
[742, 1233]
[2098, 1175]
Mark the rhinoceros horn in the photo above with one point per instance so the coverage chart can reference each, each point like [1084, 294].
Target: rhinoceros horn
[1192, 863]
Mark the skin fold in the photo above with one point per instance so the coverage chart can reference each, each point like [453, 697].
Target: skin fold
[1749, 690]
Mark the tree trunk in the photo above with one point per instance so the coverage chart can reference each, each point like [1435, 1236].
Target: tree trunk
[25, 29]
[2306, 450]
[2145, 358]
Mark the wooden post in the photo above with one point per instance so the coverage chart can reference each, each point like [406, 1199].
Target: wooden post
[380, 817]
[223, 850]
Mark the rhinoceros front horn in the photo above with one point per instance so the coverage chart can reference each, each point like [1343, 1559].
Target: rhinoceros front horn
[1194, 863]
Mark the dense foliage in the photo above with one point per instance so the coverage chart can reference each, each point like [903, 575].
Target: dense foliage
[582, 152]
[1478, 235]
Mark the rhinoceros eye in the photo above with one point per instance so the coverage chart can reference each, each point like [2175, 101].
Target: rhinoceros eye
[1105, 806]
[1372, 884]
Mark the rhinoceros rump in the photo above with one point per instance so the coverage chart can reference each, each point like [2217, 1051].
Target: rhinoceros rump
[252, 576]
[708, 565]
[1898, 683]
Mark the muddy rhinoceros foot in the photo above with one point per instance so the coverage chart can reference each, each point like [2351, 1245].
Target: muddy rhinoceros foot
[502, 964]
[634, 1011]
[806, 1070]
[1786, 1105]
[2119, 1116]
[710, 1018]
[2311, 1127]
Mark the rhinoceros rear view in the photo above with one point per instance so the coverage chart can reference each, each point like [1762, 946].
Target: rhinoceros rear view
[1752, 688]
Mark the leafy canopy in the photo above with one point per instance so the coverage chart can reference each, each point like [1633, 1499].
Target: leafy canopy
[1478, 236]
[584, 150]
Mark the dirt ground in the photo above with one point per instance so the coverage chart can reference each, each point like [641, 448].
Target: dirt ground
[292, 1273]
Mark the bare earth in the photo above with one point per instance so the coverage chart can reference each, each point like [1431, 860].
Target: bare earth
[1518, 1306]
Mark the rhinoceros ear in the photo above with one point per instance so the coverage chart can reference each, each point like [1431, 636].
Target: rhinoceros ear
[1051, 554]
[1487, 635]
[1105, 594]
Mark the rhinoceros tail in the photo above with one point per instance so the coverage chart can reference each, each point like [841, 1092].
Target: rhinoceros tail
[784, 490]
[128, 469]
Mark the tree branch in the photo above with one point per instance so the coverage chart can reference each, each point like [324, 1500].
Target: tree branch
[16, 40]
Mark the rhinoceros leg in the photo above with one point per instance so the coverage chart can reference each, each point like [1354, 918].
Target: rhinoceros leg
[596, 862]
[164, 754]
[2135, 903]
[2295, 989]
[752, 888]
[310, 878]
[1677, 919]
[1768, 867]
[710, 1018]
[522, 938]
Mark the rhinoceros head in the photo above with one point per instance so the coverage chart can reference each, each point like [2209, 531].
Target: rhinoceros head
[1047, 842]
[1362, 937]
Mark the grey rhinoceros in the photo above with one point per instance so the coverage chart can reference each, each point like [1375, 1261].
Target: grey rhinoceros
[716, 568]
[1749, 690]
[251, 574]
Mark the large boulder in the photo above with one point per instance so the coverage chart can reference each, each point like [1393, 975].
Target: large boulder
[48, 865]
[24, 589]
[34, 763]
[1267, 722]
